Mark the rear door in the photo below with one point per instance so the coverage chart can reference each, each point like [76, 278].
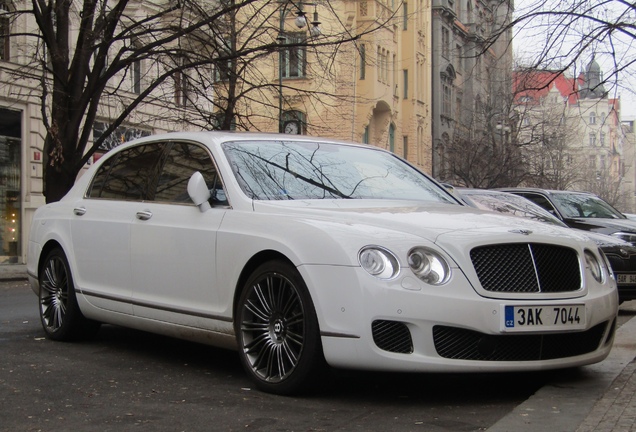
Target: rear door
[101, 226]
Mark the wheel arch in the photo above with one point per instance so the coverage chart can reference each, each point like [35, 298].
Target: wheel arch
[46, 249]
[249, 267]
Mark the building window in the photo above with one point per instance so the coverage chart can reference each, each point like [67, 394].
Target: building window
[592, 161]
[592, 140]
[294, 59]
[223, 68]
[363, 62]
[602, 139]
[135, 74]
[383, 65]
[180, 89]
[365, 135]
[445, 41]
[446, 102]
[405, 10]
[592, 118]
[5, 31]
[405, 77]
[405, 147]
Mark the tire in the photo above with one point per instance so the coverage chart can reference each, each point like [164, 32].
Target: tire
[277, 330]
[60, 314]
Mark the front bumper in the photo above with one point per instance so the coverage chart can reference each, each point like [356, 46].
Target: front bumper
[365, 324]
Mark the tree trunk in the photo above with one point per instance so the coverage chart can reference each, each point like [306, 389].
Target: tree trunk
[57, 183]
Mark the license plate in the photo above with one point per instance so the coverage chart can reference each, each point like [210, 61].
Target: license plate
[626, 279]
[544, 318]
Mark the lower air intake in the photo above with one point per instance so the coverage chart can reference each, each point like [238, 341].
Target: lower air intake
[462, 344]
[392, 336]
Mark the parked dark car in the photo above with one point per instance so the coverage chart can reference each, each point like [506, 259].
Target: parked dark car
[621, 254]
[582, 210]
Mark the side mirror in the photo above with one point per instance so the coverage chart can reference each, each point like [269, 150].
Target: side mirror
[199, 192]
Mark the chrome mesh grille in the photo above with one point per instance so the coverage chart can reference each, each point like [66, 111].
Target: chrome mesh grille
[527, 268]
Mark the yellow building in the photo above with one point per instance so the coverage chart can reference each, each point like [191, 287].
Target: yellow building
[375, 88]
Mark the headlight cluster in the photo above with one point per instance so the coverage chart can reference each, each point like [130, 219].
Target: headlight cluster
[626, 236]
[595, 266]
[427, 264]
[379, 262]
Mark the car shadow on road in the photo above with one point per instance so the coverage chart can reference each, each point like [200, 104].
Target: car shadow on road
[221, 367]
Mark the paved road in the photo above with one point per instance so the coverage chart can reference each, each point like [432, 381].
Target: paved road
[129, 380]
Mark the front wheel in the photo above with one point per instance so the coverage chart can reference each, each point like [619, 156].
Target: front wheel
[277, 330]
[60, 314]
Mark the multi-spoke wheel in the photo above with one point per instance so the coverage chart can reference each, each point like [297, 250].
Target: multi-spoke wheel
[277, 329]
[59, 312]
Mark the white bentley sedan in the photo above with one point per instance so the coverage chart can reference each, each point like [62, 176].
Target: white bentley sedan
[297, 250]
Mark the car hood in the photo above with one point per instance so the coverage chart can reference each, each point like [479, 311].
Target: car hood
[602, 225]
[426, 220]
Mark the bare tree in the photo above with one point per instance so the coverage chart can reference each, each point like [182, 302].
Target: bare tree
[485, 151]
[115, 56]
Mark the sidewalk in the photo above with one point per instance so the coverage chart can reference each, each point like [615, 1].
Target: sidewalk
[13, 272]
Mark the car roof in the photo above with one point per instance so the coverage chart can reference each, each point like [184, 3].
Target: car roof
[217, 137]
[540, 190]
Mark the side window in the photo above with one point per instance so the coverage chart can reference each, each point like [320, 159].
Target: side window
[182, 161]
[128, 175]
[541, 201]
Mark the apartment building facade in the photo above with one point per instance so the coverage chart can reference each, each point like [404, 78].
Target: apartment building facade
[573, 133]
[471, 73]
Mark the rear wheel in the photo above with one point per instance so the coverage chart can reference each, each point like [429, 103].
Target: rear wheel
[60, 314]
[277, 330]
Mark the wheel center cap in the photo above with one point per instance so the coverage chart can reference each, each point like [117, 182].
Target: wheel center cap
[279, 328]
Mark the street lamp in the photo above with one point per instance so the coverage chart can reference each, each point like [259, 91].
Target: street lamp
[503, 128]
[301, 22]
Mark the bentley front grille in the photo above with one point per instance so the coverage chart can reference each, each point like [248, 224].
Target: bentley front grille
[527, 268]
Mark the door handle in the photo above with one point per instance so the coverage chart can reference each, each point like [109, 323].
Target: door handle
[144, 215]
[79, 211]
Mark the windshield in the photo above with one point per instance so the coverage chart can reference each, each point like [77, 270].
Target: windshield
[573, 205]
[278, 170]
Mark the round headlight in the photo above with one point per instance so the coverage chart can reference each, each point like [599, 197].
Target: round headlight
[594, 265]
[429, 266]
[378, 262]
